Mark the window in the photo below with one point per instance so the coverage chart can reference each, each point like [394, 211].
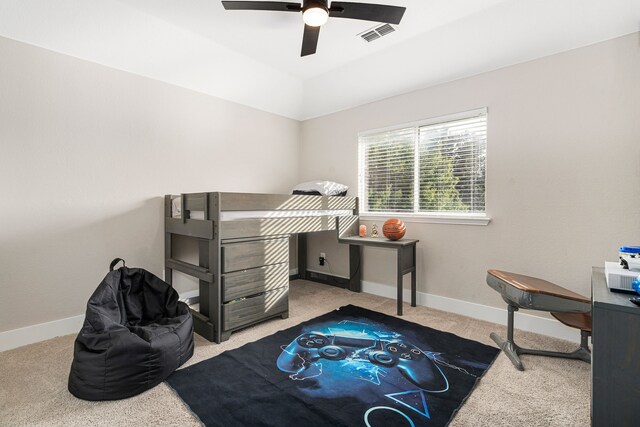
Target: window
[434, 168]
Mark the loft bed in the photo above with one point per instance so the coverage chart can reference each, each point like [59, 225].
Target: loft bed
[243, 245]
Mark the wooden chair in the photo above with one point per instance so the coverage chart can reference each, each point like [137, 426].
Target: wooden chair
[531, 293]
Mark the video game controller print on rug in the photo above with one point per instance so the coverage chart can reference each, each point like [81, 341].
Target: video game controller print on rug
[360, 353]
[384, 367]
[349, 367]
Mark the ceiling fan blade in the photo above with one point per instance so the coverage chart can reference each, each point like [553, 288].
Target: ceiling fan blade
[262, 5]
[310, 40]
[367, 12]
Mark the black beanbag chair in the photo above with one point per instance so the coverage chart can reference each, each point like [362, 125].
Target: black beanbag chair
[135, 334]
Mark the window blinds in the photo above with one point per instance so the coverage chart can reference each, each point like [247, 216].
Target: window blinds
[437, 166]
[389, 161]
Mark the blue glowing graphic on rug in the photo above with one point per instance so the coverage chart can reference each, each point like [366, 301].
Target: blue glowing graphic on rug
[348, 367]
[413, 399]
[358, 358]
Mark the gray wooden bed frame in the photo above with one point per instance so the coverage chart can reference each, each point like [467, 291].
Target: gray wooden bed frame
[243, 268]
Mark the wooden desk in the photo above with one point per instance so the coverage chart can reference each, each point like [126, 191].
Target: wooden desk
[615, 370]
[405, 258]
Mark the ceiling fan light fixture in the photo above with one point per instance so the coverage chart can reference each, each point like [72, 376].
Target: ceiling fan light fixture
[315, 16]
[315, 13]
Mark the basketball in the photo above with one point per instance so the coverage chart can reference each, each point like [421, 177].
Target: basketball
[394, 229]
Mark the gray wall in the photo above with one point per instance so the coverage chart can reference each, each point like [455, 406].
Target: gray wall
[86, 152]
[563, 171]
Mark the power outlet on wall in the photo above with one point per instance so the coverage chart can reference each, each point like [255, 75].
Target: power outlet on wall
[323, 256]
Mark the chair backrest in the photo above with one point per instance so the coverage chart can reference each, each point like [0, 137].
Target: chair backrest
[130, 297]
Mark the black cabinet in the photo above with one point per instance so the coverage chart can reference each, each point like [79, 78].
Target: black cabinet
[615, 369]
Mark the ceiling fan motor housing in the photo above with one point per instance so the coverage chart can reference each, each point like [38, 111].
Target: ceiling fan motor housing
[308, 4]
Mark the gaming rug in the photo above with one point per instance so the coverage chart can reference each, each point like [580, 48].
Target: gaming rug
[349, 367]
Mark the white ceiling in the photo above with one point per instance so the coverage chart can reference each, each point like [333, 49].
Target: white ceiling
[253, 57]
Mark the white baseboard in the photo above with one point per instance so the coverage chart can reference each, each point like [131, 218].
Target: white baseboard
[189, 294]
[56, 328]
[43, 331]
[72, 325]
[522, 321]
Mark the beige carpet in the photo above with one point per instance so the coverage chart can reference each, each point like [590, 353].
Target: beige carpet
[550, 392]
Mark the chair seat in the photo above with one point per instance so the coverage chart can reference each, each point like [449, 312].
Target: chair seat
[535, 285]
[580, 321]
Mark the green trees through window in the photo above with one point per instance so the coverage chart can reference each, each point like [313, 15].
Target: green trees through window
[430, 168]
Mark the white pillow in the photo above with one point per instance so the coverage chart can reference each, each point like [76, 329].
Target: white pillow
[324, 188]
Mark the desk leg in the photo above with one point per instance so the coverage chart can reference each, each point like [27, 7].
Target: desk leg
[399, 281]
[413, 279]
[302, 255]
[355, 272]
[413, 288]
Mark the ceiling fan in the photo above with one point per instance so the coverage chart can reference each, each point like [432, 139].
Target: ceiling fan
[316, 12]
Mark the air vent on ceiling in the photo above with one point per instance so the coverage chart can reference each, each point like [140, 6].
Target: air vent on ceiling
[377, 32]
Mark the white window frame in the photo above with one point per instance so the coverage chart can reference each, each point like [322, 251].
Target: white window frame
[478, 218]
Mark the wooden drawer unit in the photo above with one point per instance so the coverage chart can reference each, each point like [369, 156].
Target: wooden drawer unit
[256, 280]
[254, 309]
[251, 254]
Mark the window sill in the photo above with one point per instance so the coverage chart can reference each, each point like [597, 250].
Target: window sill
[430, 219]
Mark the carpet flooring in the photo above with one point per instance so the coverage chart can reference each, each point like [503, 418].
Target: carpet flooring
[550, 392]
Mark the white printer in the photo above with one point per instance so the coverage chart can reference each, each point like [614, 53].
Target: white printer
[620, 275]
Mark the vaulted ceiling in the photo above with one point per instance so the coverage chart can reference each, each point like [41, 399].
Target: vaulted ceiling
[253, 57]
